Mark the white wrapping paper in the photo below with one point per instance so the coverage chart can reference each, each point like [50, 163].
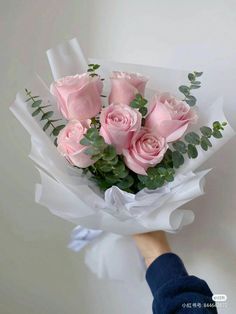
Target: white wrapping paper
[113, 216]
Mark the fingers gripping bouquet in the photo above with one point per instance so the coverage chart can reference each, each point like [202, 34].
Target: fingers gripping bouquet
[121, 162]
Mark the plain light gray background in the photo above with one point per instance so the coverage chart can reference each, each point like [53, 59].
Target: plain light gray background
[38, 275]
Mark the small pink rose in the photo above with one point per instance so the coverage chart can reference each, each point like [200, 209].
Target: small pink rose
[78, 97]
[146, 150]
[124, 87]
[119, 122]
[169, 117]
[69, 143]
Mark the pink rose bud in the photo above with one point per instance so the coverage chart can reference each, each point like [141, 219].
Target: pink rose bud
[169, 117]
[146, 150]
[69, 143]
[124, 87]
[119, 122]
[78, 97]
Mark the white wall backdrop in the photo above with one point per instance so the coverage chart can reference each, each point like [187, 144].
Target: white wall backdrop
[38, 275]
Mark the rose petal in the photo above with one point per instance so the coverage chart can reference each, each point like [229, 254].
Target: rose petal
[159, 113]
[132, 164]
[172, 130]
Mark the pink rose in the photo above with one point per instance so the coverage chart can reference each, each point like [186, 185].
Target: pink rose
[78, 97]
[169, 117]
[69, 143]
[124, 87]
[118, 124]
[146, 150]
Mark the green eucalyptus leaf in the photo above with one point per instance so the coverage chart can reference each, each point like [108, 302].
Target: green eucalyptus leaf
[171, 171]
[162, 171]
[152, 172]
[109, 153]
[143, 111]
[91, 133]
[156, 183]
[169, 177]
[144, 101]
[96, 157]
[204, 146]
[134, 104]
[142, 178]
[197, 74]
[96, 66]
[140, 186]
[114, 161]
[139, 102]
[217, 125]
[217, 134]
[177, 158]
[36, 103]
[206, 131]
[192, 138]
[151, 184]
[103, 184]
[191, 100]
[105, 168]
[192, 151]
[111, 178]
[126, 183]
[195, 86]
[184, 89]
[47, 115]
[99, 142]
[36, 112]
[119, 167]
[123, 174]
[180, 146]
[191, 77]
[57, 130]
[138, 96]
[47, 125]
[91, 151]
[85, 142]
[205, 143]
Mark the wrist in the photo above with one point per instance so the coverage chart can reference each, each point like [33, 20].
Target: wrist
[151, 245]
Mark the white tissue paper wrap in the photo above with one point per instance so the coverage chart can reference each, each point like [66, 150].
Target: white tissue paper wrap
[105, 222]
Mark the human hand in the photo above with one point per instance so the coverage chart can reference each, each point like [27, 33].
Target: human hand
[151, 245]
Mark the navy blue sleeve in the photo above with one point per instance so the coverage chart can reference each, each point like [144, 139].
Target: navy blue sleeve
[174, 291]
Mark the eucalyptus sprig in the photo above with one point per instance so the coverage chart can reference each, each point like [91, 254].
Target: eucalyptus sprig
[164, 172]
[140, 103]
[156, 177]
[193, 140]
[39, 108]
[92, 72]
[194, 84]
[92, 69]
[109, 168]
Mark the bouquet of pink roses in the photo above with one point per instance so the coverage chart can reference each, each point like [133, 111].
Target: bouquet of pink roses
[121, 162]
[125, 143]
